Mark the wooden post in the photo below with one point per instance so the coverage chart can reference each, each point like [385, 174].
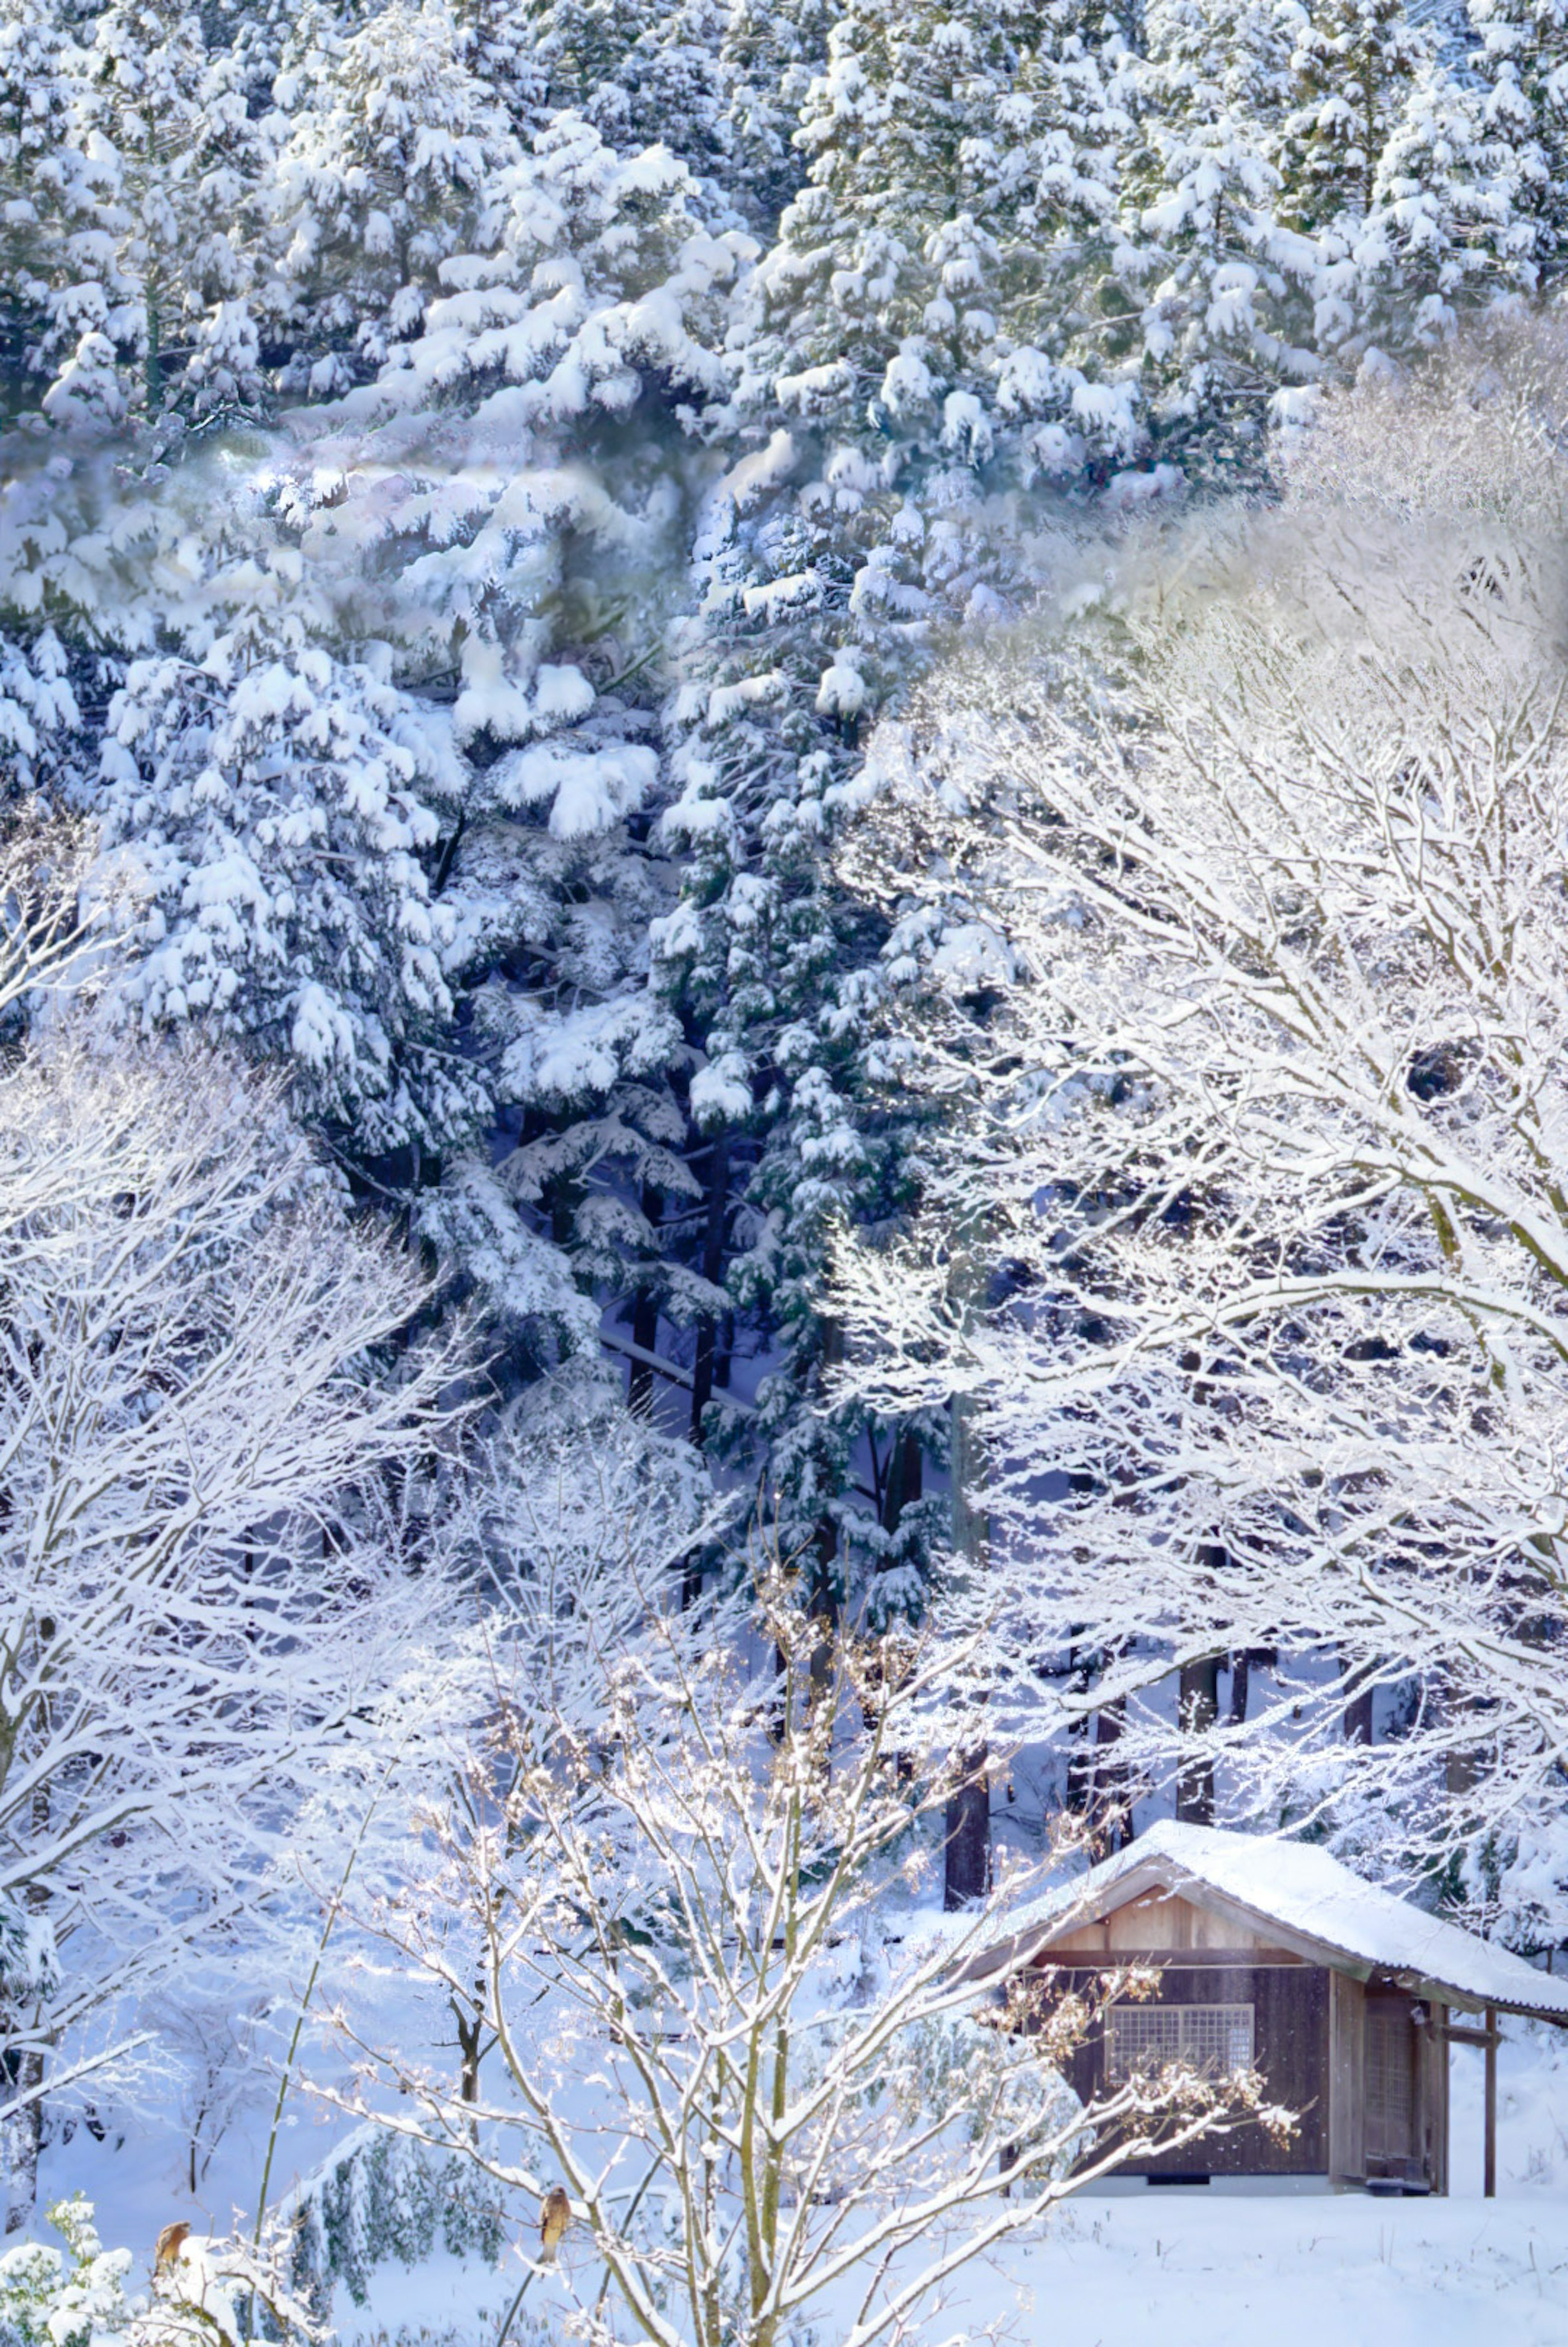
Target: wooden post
[1488, 2038]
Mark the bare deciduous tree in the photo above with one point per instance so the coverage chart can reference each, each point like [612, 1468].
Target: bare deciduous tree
[1264, 1117]
[723, 2024]
[195, 1601]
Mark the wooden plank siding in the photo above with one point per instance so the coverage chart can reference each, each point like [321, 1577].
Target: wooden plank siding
[1160, 1920]
[1347, 2076]
[1346, 2052]
[1291, 2047]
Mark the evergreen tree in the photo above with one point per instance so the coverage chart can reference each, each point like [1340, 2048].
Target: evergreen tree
[643, 75]
[42, 174]
[502, 52]
[1355, 62]
[1524, 62]
[1444, 231]
[272, 802]
[149, 310]
[770, 53]
[1228, 319]
[391, 152]
[897, 384]
[1355, 66]
[503, 509]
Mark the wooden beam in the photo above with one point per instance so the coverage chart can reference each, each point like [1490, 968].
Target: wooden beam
[1489, 2149]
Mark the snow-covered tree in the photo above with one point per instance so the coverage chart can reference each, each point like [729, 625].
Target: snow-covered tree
[502, 52]
[271, 803]
[1523, 62]
[503, 507]
[1354, 61]
[150, 309]
[1228, 314]
[645, 75]
[954, 170]
[42, 171]
[751, 2070]
[393, 141]
[770, 53]
[1262, 1145]
[906, 373]
[1444, 232]
[198, 1604]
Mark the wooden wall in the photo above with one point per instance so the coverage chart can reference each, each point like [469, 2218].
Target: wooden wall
[1160, 1920]
[1309, 2036]
[1346, 2078]
[1291, 2047]
[1354, 2005]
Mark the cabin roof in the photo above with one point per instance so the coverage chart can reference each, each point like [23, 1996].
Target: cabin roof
[1298, 1896]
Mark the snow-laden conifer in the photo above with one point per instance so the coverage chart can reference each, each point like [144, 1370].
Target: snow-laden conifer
[1523, 66]
[393, 141]
[1226, 285]
[152, 309]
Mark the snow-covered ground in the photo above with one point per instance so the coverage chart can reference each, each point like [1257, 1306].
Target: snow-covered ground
[1164, 2269]
[1189, 2272]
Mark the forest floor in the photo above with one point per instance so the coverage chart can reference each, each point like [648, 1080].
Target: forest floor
[1168, 2268]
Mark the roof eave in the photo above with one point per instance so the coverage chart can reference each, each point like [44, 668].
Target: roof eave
[1177, 1881]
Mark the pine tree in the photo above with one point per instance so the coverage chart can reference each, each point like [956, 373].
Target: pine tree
[1444, 232]
[273, 802]
[643, 75]
[770, 53]
[1524, 62]
[391, 152]
[502, 52]
[485, 510]
[1227, 320]
[899, 392]
[149, 310]
[42, 174]
[1355, 62]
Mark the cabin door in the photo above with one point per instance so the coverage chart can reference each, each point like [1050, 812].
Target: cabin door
[1391, 2075]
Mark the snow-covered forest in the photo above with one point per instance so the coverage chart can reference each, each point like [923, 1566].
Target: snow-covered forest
[783, 1004]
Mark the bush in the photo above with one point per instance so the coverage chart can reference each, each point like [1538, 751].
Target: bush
[385, 2195]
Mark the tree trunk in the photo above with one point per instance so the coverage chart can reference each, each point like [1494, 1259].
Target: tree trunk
[966, 1849]
[1240, 1686]
[906, 1479]
[24, 2141]
[824, 1606]
[1198, 1708]
[702, 1380]
[470, 2051]
[645, 1322]
[1358, 1709]
[1113, 1811]
[966, 1870]
[22, 2072]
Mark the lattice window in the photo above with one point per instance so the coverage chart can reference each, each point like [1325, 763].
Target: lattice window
[1213, 2039]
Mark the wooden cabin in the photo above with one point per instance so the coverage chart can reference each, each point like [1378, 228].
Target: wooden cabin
[1273, 1956]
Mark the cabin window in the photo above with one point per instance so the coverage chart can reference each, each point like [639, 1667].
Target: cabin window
[1213, 2039]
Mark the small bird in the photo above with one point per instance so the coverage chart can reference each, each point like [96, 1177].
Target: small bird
[169, 2245]
[555, 2217]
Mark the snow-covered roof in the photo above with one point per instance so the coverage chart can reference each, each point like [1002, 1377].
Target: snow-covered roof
[1305, 1900]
